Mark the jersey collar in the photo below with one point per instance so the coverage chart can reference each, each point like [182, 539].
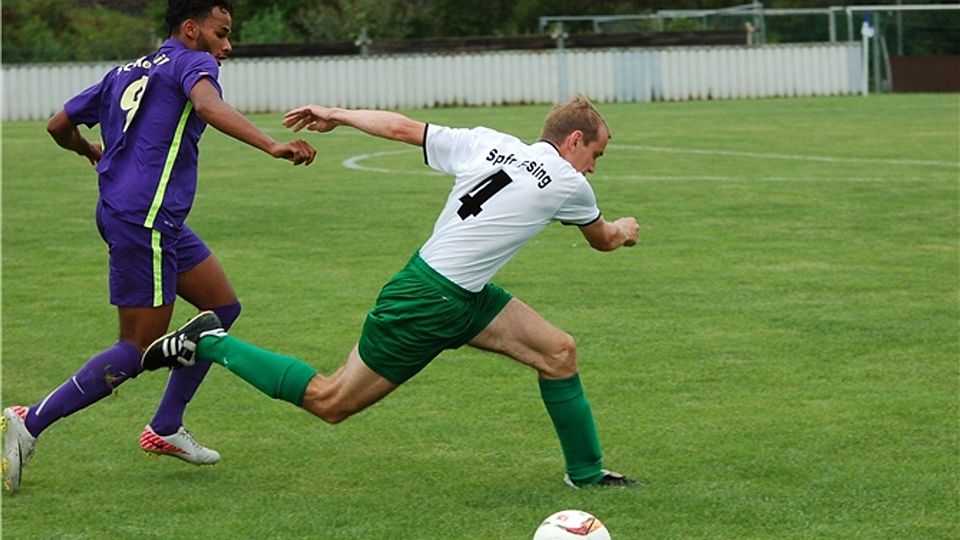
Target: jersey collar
[172, 43]
[551, 144]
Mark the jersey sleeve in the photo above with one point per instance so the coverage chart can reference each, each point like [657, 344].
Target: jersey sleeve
[84, 108]
[448, 149]
[580, 208]
[196, 67]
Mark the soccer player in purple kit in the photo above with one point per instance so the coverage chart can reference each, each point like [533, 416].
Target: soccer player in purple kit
[151, 112]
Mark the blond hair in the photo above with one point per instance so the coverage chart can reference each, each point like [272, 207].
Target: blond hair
[576, 114]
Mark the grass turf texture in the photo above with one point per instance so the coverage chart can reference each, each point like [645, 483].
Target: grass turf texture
[776, 359]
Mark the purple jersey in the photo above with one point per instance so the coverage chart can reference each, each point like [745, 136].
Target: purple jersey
[148, 172]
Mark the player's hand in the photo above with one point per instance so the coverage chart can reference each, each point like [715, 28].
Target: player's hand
[312, 117]
[94, 153]
[299, 152]
[631, 228]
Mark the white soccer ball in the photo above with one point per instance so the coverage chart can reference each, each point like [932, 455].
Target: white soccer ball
[571, 525]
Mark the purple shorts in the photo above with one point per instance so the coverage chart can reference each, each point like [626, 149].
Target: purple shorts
[144, 264]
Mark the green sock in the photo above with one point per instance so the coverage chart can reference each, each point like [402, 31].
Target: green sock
[572, 418]
[278, 376]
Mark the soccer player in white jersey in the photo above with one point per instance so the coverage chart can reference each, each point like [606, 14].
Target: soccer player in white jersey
[506, 192]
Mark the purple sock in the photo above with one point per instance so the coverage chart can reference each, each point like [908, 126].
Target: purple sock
[91, 383]
[184, 382]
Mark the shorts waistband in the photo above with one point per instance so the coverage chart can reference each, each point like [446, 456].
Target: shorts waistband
[431, 276]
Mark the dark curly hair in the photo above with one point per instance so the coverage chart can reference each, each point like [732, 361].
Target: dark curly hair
[181, 10]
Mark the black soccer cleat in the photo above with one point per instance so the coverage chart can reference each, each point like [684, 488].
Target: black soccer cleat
[179, 348]
[609, 479]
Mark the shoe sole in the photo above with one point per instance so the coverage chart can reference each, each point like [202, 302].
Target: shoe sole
[151, 455]
[633, 484]
[5, 464]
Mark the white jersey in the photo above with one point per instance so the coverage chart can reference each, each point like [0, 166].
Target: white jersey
[505, 193]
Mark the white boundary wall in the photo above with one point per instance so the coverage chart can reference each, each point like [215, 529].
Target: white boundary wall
[36, 91]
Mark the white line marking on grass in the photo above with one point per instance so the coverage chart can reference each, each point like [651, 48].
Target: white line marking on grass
[655, 178]
[641, 178]
[354, 163]
[794, 157]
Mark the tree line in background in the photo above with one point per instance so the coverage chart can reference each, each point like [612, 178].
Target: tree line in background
[90, 30]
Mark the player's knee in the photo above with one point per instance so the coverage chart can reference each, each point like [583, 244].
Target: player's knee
[562, 362]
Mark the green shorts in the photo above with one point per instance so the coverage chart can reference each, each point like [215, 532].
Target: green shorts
[418, 314]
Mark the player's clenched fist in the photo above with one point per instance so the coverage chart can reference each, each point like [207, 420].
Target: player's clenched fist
[299, 152]
[631, 228]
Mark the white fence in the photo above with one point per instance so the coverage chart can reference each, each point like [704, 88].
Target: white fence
[34, 92]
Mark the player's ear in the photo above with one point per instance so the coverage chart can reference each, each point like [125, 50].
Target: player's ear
[190, 29]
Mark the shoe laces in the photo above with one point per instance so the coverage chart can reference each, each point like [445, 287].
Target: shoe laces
[188, 438]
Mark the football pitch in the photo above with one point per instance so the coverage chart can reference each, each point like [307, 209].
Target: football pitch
[777, 358]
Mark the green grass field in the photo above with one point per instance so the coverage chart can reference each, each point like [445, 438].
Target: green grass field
[778, 358]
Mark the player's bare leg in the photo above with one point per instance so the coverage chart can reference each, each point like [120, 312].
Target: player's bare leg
[347, 391]
[521, 333]
[141, 325]
[206, 285]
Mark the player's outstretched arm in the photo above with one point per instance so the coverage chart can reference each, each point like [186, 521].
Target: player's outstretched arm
[67, 136]
[384, 124]
[606, 236]
[219, 114]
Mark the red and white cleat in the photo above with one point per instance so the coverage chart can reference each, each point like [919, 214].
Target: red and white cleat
[18, 445]
[180, 445]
